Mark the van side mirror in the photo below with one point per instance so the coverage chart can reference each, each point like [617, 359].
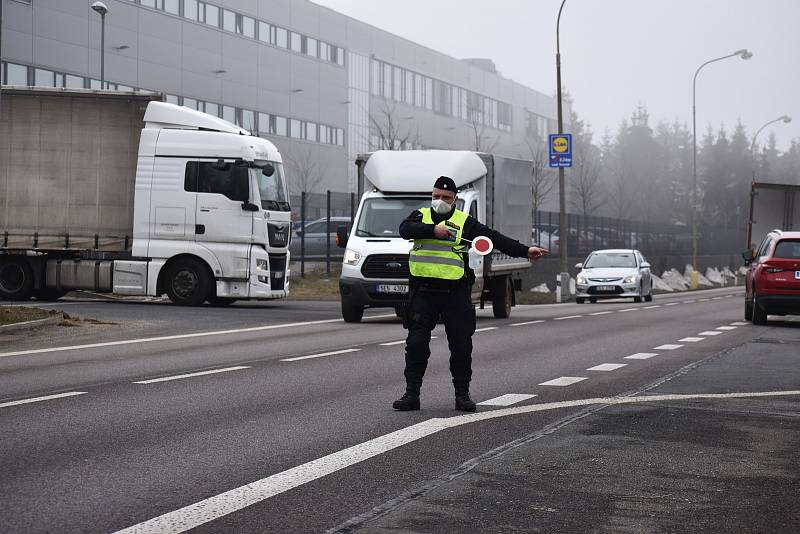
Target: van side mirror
[249, 206]
[341, 236]
[579, 266]
[645, 265]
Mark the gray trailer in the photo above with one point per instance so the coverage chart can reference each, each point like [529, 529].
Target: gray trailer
[772, 206]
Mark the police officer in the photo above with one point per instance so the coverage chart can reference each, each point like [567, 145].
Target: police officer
[440, 286]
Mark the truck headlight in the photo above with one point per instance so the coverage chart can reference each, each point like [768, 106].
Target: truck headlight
[581, 280]
[351, 257]
[630, 279]
[261, 265]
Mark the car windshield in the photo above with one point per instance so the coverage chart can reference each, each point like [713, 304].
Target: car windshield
[381, 217]
[610, 259]
[788, 249]
[272, 187]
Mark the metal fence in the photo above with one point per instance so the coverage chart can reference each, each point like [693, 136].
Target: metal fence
[317, 216]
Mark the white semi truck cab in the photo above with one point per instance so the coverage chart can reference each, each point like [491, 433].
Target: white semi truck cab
[493, 189]
[199, 211]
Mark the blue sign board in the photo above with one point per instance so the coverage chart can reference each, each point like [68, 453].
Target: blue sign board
[561, 150]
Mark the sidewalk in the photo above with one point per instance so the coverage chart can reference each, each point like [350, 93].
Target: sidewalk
[721, 465]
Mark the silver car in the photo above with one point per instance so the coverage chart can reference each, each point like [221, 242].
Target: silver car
[614, 273]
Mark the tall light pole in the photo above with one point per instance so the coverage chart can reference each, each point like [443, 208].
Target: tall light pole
[744, 54]
[562, 204]
[786, 119]
[101, 8]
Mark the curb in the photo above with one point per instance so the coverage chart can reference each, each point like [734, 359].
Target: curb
[53, 319]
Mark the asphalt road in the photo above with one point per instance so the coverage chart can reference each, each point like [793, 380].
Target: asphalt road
[277, 418]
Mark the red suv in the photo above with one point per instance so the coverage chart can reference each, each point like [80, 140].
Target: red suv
[773, 277]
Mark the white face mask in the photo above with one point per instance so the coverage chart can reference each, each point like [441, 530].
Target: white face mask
[441, 206]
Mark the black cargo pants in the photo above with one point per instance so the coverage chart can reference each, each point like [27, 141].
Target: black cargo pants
[458, 315]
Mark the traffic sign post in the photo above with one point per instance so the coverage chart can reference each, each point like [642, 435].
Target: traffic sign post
[560, 150]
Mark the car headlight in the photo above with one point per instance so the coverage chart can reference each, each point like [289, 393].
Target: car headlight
[261, 264]
[630, 279]
[351, 257]
[581, 280]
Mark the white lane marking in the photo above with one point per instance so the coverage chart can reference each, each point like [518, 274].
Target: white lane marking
[627, 310]
[170, 338]
[564, 381]
[607, 367]
[528, 322]
[703, 300]
[739, 323]
[191, 375]
[668, 346]
[692, 339]
[45, 398]
[641, 356]
[220, 505]
[506, 400]
[716, 298]
[672, 304]
[728, 296]
[392, 343]
[601, 313]
[653, 306]
[320, 355]
[486, 329]
[709, 333]
[383, 316]
[567, 317]
[726, 328]
[689, 301]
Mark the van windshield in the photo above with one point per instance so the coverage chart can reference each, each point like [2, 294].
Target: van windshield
[381, 217]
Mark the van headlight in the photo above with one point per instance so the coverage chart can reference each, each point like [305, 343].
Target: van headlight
[630, 279]
[581, 280]
[351, 257]
[261, 264]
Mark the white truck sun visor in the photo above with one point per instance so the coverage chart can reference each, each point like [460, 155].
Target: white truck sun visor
[416, 170]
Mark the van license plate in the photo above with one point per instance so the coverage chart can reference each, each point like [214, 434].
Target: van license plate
[605, 288]
[391, 288]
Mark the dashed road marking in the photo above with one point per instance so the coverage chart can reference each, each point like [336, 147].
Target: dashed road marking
[653, 306]
[392, 343]
[641, 356]
[703, 300]
[191, 375]
[726, 328]
[320, 355]
[528, 322]
[236, 499]
[716, 298]
[689, 301]
[567, 317]
[507, 399]
[607, 367]
[486, 329]
[564, 381]
[41, 399]
[627, 310]
[710, 333]
[668, 346]
[739, 323]
[692, 339]
[601, 313]
[672, 304]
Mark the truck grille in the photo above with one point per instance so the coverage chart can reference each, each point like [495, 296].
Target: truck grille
[277, 271]
[279, 234]
[392, 266]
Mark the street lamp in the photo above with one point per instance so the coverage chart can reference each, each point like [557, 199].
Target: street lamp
[786, 120]
[100, 7]
[562, 203]
[744, 54]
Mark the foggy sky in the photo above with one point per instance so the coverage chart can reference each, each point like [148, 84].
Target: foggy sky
[617, 54]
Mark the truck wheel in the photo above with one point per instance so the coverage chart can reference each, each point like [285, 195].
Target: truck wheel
[502, 297]
[16, 279]
[48, 293]
[352, 313]
[759, 313]
[188, 282]
[221, 301]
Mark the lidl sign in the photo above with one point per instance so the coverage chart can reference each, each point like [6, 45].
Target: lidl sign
[561, 150]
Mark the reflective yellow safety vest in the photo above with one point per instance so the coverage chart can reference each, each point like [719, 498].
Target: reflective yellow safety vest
[439, 258]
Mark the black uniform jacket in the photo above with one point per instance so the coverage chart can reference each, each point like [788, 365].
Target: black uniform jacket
[412, 227]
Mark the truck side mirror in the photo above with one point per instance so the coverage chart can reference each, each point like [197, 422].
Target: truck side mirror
[249, 206]
[341, 236]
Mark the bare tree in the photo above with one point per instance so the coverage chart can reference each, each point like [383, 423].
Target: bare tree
[620, 198]
[585, 184]
[306, 174]
[542, 178]
[392, 131]
[481, 141]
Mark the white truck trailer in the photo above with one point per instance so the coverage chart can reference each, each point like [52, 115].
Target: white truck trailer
[494, 189]
[772, 206]
[120, 192]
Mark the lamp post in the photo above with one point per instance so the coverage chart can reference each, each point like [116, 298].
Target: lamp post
[744, 54]
[786, 120]
[100, 7]
[562, 204]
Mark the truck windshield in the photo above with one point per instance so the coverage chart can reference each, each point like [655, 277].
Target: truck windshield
[381, 217]
[272, 188]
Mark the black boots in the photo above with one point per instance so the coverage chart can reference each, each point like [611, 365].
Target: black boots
[409, 401]
[464, 403]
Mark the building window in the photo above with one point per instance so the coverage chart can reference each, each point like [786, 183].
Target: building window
[387, 81]
[211, 15]
[264, 32]
[190, 103]
[248, 121]
[43, 78]
[73, 82]
[282, 38]
[228, 20]
[229, 113]
[339, 56]
[295, 42]
[171, 6]
[281, 126]
[294, 128]
[190, 10]
[248, 27]
[311, 47]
